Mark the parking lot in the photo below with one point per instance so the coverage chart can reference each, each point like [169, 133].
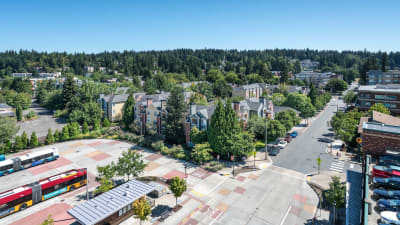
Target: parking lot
[274, 195]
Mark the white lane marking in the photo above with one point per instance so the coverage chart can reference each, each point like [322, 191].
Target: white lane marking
[287, 213]
[351, 166]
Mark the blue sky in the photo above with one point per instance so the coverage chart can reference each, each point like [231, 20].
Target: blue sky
[95, 26]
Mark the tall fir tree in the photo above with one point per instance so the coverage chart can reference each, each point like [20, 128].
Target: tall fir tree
[49, 137]
[65, 133]
[85, 128]
[128, 115]
[34, 142]
[57, 136]
[217, 129]
[69, 90]
[384, 62]
[174, 124]
[18, 145]
[313, 94]
[25, 139]
[18, 112]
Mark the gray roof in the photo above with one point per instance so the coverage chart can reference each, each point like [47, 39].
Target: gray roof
[4, 106]
[354, 200]
[380, 127]
[204, 111]
[108, 203]
[389, 88]
[248, 86]
[119, 98]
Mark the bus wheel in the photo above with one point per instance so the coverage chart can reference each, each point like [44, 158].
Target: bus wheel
[24, 206]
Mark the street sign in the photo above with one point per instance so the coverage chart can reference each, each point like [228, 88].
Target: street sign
[359, 140]
[218, 157]
[254, 153]
[186, 176]
[319, 161]
[231, 157]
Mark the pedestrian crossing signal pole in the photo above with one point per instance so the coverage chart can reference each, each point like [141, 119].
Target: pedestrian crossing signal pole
[319, 163]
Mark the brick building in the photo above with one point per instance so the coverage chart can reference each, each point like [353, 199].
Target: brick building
[388, 95]
[379, 138]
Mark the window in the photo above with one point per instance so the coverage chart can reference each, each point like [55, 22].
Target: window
[155, 113]
[148, 112]
[365, 104]
[194, 121]
[124, 210]
[387, 97]
[389, 105]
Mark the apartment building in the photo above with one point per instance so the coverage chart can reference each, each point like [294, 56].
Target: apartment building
[379, 77]
[388, 95]
[248, 91]
[112, 105]
[318, 79]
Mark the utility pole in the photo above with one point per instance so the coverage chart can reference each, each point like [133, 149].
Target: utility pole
[266, 138]
[87, 185]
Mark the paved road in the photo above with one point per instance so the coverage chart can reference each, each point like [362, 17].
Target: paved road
[301, 154]
[41, 124]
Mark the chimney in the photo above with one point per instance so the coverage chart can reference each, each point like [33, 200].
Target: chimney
[236, 107]
[192, 109]
[149, 101]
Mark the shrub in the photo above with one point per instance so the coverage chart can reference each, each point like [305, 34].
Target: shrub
[61, 113]
[178, 152]
[157, 145]
[31, 114]
[202, 153]
[214, 166]
[259, 145]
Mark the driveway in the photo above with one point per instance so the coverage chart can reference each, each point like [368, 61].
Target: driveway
[41, 125]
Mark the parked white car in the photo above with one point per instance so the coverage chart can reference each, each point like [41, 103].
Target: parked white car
[389, 217]
[281, 144]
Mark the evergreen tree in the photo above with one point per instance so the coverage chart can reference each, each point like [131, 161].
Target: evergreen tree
[69, 90]
[25, 139]
[217, 129]
[106, 122]
[384, 62]
[85, 128]
[57, 136]
[96, 125]
[65, 133]
[34, 142]
[313, 94]
[174, 124]
[18, 145]
[73, 129]
[18, 112]
[128, 115]
[49, 137]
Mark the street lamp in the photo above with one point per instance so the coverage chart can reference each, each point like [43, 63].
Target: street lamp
[266, 138]
[334, 212]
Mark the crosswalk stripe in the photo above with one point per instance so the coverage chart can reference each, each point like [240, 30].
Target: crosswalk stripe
[339, 167]
[337, 170]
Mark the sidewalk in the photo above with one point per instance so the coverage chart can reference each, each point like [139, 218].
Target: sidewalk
[334, 149]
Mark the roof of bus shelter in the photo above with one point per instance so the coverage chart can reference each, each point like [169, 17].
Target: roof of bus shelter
[110, 202]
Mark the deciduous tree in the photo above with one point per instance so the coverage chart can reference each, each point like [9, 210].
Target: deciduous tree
[141, 209]
[130, 164]
[178, 187]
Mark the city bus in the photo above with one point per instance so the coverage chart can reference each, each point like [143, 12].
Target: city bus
[23, 197]
[28, 160]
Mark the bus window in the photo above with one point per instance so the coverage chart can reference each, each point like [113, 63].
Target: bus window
[6, 167]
